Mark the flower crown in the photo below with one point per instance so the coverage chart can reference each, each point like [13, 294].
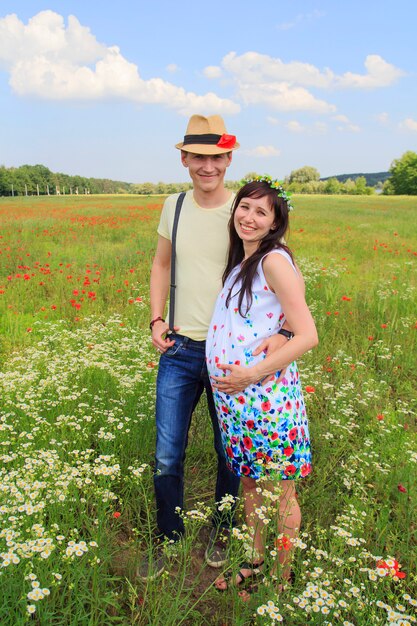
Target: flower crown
[274, 184]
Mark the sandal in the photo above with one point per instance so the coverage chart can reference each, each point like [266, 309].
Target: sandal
[242, 580]
[248, 590]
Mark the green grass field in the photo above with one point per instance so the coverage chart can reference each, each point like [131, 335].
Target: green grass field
[77, 388]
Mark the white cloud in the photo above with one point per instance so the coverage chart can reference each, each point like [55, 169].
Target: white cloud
[45, 34]
[320, 127]
[172, 68]
[353, 128]
[348, 125]
[283, 97]
[341, 118]
[383, 118]
[272, 120]
[409, 124]
[262, 151]
[262, 79]
[379, 74]
[301, 17]
[49, 60]
[212, 71]
[295, 127]
[317, 128]
[254, 68]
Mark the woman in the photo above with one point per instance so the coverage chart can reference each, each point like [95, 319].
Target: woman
[264, 428]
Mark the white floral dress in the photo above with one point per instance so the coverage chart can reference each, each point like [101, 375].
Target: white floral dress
[264, 429]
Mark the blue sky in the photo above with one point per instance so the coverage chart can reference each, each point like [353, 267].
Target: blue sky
[105, 89]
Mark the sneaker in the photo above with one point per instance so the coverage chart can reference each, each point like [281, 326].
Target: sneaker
[216, 551]
[152, 565]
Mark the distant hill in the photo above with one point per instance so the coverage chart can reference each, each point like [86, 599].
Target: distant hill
[371, 179]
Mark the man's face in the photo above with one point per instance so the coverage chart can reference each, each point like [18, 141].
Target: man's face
[206, 171]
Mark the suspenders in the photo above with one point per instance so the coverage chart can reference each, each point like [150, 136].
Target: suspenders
[172, 288]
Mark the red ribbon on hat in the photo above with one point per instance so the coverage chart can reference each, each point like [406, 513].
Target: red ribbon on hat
[226, 141]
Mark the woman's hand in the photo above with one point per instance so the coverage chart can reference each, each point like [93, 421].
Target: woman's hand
[239, 378]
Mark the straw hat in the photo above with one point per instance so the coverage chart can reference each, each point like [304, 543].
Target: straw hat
[207, 135]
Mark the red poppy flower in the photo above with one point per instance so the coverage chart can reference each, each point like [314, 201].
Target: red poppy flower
[290, 470]
[310, 389]
[245, 470]
[250, 424]
[229, 452]
[380, 417]
[274, 436]
[288, 451]
[402, 488]
[226, 141]
[241, 399]
[116, 514]
[283, 543]
[392, 568]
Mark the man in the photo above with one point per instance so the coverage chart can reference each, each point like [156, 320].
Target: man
[201, 247]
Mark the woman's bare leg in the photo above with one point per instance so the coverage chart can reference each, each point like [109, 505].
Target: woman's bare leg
[252, 501]
[288, 524]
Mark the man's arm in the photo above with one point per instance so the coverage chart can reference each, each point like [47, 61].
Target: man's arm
[159, 288]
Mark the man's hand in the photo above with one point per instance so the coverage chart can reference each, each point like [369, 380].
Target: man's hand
[160, 339]
[271, 344]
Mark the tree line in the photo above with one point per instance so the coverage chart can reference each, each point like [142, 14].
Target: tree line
[39, 180]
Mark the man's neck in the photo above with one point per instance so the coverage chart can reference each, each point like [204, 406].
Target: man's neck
[211, 199]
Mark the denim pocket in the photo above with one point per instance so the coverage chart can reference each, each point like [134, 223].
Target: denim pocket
[172, 351]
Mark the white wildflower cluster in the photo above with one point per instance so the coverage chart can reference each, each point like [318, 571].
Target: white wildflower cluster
[36, 593]
[202, 514]
[77, 549]
[138, 471]
[270, 610]
[316, 599]
[226, 503]
[103, 466]
[397, 616]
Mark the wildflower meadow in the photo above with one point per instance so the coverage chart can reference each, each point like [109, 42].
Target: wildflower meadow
[77, 390]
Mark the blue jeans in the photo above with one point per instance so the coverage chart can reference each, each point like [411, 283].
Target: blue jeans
[182, 376]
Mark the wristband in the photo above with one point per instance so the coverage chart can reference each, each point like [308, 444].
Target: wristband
[287, 333]
[157, 319]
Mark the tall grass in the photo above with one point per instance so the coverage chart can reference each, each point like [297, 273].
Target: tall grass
[77, 386]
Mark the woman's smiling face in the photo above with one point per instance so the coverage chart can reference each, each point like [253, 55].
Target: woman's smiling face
[253, 219]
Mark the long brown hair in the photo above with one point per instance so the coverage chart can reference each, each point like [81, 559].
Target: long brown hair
[271, 241]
